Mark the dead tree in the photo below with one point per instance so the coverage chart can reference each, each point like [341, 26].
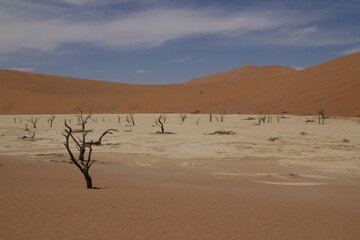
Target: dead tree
[197, 121]
[309, 121]
[261, 119]
[119, 118]
[31, 134]
[109, 131]
[183, 117]
[81, 163]
[160, 123]
[130, 119]
[321, 116]
[222, 117]
[278, 117]
[51, 120]
[33, 121]
[14, 119]
[82, 122]
[210, 117]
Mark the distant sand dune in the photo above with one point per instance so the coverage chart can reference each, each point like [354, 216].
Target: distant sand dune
[333, 86]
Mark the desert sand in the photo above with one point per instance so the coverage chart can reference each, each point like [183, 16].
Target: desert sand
[333, 86]
[189, 185]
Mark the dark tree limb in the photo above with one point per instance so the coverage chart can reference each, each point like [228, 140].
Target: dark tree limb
[81, 145]
[159, 122]
[51, 120]
[33, 121]
[109, 131]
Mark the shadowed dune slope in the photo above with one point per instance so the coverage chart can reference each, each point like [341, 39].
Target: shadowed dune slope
[333, 86]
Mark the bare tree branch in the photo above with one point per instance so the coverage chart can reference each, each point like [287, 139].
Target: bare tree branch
[51, 119]
[33, 121]
[109, 131]
[159, 122]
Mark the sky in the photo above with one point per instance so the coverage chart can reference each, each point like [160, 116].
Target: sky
[166, 42]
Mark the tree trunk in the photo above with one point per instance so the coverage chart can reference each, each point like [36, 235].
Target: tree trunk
[88, 180]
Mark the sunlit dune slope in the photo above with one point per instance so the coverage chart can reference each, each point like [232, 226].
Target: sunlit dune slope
[243, 74]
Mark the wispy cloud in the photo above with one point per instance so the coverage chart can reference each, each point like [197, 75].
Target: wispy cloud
[147, 28]
[141, 71]
[298, 68]
[350, 51]
[22, 69]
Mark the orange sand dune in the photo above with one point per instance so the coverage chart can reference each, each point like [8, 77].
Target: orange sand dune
[333, 86]
[243, 74]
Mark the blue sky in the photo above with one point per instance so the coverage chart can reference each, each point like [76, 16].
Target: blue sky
[163, 41]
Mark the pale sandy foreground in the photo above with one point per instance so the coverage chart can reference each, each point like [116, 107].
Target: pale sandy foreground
[188, 185]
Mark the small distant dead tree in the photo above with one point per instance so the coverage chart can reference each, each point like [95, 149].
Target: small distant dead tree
[222, 117]
[51, 120]
[195, 112]
[269, 119]
[216, 118]
[321, 116]
[183, 117]
[197, 121]
[119, 118]
[222, 132]
[261, 119]
[278, 117]
[109, 131]
[273, 139]
[249, 118]
[15, 120]
[31, 134]
[160, 123]
[210, 117]
[130, 119]
[309, 121]
[81, 163]
[33, 121]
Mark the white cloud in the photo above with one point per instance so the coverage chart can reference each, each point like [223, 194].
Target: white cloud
[350, 51]
[298, 68]
[309, 29]
[77, 1]
[22, 69]
[150, 28]
[141, 70]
